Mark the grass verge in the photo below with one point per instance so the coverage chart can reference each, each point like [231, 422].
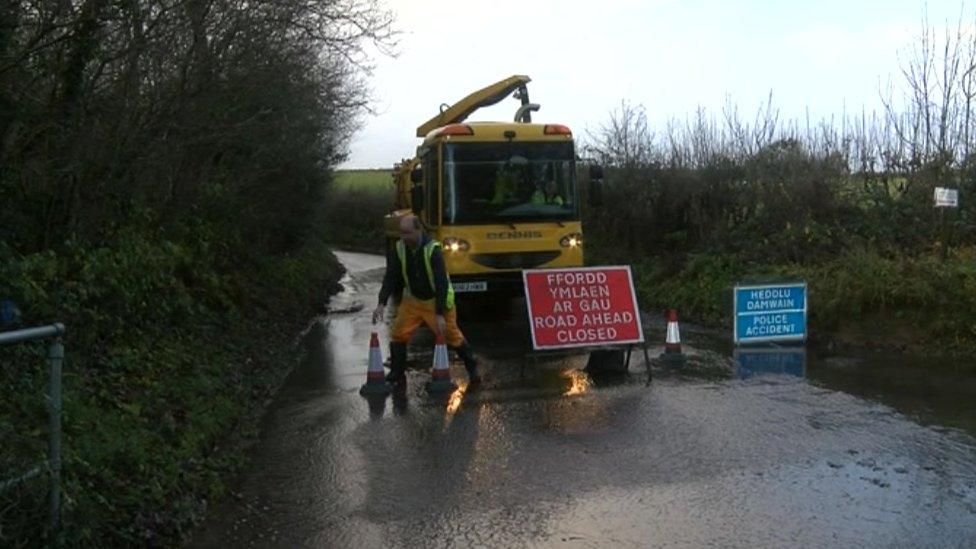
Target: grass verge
[860, 298]
[165, 356]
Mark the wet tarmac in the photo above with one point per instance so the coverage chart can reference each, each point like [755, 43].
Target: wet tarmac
[781, 449]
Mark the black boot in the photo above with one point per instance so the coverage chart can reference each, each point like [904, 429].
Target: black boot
[398, 364]
[470, 364]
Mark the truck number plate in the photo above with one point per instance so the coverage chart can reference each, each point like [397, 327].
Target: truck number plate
[479, 286]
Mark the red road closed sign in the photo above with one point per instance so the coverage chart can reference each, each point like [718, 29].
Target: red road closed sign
[581, 307]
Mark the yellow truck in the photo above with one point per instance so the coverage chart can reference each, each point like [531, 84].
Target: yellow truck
[500, 196]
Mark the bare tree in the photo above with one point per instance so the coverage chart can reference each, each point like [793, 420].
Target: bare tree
[625, 140]
[156, 103]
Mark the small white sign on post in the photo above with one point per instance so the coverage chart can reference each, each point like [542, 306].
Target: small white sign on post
[946, 198]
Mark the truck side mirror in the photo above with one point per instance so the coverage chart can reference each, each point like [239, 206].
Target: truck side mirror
[596, 185]
[416, 197]
[416, 175]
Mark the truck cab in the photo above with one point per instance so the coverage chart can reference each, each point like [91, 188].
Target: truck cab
[500, 196]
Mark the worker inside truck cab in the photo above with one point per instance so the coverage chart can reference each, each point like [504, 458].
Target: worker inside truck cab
[547, 194]
[505, 187]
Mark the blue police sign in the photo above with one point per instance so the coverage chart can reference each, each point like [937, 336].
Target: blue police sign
[770, 313]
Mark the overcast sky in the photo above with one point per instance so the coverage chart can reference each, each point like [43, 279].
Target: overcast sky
[672, 56]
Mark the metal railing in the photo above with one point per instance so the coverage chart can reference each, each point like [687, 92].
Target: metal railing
[55, 357]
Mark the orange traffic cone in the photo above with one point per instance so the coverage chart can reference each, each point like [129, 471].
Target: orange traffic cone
[440, 375]
[672, 344]
[376, 383]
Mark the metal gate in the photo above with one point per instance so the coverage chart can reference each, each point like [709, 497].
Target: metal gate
[55, 357]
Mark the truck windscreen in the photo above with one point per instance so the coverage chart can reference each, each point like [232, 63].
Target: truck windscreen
[509, 182]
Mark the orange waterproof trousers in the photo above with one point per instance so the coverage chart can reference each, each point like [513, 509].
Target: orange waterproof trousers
[412, 312]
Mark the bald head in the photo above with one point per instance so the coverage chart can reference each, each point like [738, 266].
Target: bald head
[411, 230]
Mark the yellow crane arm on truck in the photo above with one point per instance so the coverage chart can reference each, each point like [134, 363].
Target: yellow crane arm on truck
[484, 97]
[453, 114]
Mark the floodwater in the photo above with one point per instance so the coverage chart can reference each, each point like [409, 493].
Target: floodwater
[766, 449]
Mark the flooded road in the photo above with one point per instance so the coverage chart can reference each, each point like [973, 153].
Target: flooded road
[788, 450]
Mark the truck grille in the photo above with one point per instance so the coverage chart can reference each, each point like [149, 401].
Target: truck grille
[514, 260]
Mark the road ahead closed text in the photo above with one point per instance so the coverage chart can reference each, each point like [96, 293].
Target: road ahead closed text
[578, 307]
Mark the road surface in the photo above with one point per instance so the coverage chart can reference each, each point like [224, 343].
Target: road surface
[820, 452]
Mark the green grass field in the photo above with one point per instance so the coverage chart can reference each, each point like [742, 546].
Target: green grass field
[379, 180]
[355, 206]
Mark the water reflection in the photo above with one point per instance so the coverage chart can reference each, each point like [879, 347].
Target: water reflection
[579, 382]
[456, 397]
[377, 406]
[755, 361]
[933, 390]
[400, 403]
[454, 401]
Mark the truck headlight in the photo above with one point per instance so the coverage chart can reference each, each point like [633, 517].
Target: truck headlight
[456, 244]
[572, 240]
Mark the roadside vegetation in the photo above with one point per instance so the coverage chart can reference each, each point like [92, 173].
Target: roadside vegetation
[164, 170]
[356, 202]
[845, 204]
